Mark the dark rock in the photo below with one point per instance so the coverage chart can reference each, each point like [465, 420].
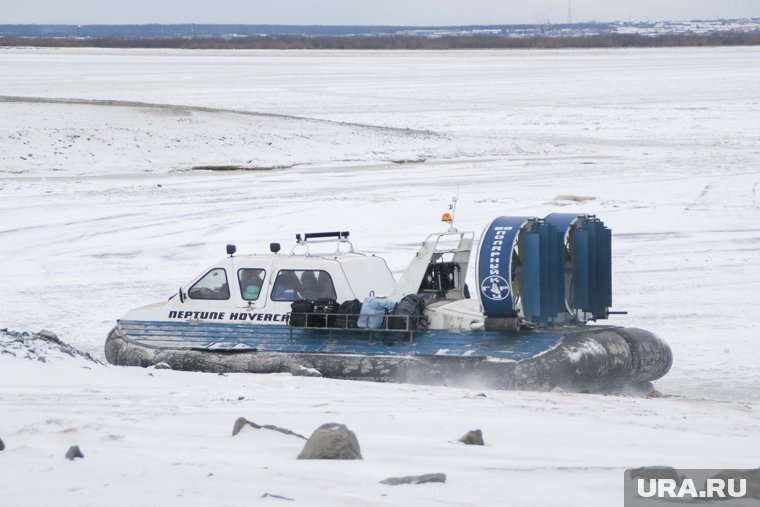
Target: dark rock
[2, 445]
[331, 441]
[656, 472]
[278, 497]
[414, 479]
[654, 393]
[46, 333]
[74, 452]
[242, 422]
[474, 437]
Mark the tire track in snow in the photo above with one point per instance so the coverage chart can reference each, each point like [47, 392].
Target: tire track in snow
[183, 109]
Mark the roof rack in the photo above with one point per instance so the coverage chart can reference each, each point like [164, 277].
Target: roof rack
[318, 235]
[323, 237]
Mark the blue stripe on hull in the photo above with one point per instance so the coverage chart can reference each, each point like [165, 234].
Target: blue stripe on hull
[280, 338]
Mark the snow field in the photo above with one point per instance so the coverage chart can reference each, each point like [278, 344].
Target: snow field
[664, 142]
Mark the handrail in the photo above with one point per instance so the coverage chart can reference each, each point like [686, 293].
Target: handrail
[406, 331]
[347, 319]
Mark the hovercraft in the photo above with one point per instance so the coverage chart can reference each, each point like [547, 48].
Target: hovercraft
[340, 313]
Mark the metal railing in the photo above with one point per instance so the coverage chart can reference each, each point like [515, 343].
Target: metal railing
[348, 322]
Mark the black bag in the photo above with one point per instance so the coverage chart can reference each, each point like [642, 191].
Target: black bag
[408, 314]
[326, 306]
[298, 312]
[320, 317]
[348, 314]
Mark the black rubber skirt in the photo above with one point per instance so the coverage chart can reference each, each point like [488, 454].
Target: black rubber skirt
[589, 358]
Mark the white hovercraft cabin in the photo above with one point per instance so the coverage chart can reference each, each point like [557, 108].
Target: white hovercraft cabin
[262, 288]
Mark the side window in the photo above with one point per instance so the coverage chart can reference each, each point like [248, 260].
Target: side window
[213, 285]
[251, 281]
[312, 284]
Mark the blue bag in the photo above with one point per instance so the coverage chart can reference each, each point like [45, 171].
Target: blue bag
[373, 312]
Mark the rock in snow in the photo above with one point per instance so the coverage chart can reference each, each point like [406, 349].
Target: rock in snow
[332, 441]
[46, 333]
[42, 347]
[473, 437]
[414, 479]
[74, 452]
[242, 422]
[279, 497]
[2, 445]
[655, 472]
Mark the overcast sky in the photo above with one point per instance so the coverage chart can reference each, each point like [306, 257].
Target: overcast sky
[374, 12]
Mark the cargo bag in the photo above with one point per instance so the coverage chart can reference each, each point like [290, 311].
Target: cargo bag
[322, 313]
[348, 314]
[373, 312]
[409, 314]
[298, 312]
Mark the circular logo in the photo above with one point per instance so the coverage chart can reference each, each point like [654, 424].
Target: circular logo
[495, 287]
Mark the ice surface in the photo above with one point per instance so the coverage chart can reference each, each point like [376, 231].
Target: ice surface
[666, 143]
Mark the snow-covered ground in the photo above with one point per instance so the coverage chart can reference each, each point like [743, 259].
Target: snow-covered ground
[100, 211]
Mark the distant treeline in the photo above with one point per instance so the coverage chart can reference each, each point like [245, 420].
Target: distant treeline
[194, 31]
[397, 42]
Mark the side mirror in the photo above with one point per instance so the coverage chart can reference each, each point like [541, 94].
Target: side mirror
[181, 295]
[231, 249]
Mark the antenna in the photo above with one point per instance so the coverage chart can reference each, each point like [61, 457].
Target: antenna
[569, 12]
